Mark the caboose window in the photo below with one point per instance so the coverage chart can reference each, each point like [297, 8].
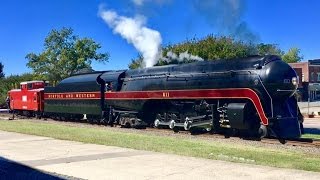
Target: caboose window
[30, 86]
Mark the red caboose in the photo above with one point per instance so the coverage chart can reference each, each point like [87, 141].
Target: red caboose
[28, 100]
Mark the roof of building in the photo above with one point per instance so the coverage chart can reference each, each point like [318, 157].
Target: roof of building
[314, 62]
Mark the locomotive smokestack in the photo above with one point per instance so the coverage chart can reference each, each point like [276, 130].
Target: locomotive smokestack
[147, 41]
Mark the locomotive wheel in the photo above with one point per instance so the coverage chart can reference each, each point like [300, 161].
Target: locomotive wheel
[126, 125]
[175, 129]
[187, 125]
[38, 116]
[90, 121]
[230, 132]
[156, 123]
[283, 141]
[263, 131]
[172, 124]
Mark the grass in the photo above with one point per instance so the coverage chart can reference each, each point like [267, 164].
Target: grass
[314, 136]
[187, 147]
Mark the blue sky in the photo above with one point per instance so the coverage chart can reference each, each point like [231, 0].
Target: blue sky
[25, 24]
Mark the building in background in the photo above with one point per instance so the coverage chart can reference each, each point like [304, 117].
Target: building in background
[309, 79]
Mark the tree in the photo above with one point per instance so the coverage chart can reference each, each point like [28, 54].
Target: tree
[268, 49]
[208, 48]
[136, 63]
[1, 70]
[12, 82]
[64, 54]
[214, 48]
[292, 56]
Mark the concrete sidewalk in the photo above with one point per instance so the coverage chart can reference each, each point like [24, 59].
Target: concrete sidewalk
[89, 161]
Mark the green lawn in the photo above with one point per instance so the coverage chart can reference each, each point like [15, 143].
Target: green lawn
[174, 145]
[314, 136]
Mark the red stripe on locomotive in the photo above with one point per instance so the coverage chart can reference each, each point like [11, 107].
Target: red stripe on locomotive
[240, 93]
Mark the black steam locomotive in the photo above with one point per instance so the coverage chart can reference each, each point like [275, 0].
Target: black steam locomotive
[252, 95]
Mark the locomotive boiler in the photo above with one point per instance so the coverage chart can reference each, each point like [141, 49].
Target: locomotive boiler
[253, 95]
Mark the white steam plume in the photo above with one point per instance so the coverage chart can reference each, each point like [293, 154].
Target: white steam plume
[171, 56]
[147, 41]
[186, 56]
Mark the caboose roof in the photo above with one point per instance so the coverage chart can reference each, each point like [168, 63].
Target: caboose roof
[28, 82]
[15, 90]
[36, 90]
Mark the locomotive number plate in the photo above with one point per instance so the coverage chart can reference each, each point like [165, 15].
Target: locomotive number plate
[165, 94]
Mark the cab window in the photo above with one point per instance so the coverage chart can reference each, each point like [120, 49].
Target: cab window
[29, 86]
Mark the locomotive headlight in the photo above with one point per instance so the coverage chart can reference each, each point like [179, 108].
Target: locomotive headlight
[294, 81]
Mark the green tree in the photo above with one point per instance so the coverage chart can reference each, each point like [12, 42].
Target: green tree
[1, 70]
[208, 48]
[136, 63]
[13, 82]
[64, 54]
[268, 49]
[293, 55]
[213, 48]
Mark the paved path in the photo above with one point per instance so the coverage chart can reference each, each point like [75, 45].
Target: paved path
[89, 161]
[310, 107]
[312, 125]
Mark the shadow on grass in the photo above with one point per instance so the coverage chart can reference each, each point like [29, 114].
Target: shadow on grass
[13, 170]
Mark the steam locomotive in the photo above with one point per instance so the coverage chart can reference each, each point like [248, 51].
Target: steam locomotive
[253, 95]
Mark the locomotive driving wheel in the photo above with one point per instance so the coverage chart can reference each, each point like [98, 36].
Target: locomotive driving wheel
[263, 131]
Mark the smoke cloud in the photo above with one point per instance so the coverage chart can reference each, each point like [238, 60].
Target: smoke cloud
[227, 17]
[147, 41]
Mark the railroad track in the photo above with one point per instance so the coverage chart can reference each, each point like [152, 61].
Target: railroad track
[302, 142]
